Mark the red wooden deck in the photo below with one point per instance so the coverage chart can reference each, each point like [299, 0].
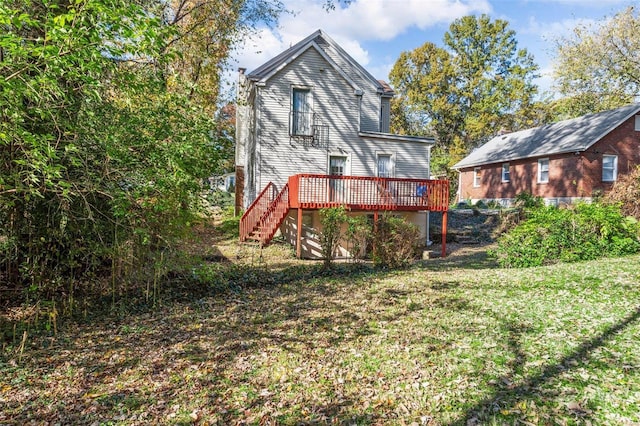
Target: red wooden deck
[356, 193]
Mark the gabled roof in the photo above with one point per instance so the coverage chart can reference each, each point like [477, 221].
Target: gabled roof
[320, 41]
[574, 135]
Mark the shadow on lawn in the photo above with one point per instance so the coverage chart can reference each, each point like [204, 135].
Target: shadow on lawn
[463, 257]
[506, 394]
[207, 348]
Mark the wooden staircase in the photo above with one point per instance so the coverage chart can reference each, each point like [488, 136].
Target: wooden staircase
[265, 215]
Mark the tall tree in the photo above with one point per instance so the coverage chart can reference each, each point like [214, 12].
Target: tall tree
[598, 67]
[478, 83]
[203, 34]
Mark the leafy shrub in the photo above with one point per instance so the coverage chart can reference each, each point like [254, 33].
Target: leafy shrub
[332, 220]
[481, 204]
[583, 232]
[626, 193]
[395, 242]
[358, 235]
[526, 200]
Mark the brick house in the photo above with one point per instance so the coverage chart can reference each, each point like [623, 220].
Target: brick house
[562, 162]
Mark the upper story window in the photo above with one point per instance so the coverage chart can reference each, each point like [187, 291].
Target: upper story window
[637, 126]
[476, 177]
[506, 173]
[385, 166]
[543, 170]
[609, 168]
[301, 120]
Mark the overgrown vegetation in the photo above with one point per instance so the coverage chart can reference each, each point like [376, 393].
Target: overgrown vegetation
[395, 242]
[626, 193]
[582, 232]
[109, 122]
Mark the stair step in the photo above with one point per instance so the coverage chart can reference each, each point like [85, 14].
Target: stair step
[467, 240]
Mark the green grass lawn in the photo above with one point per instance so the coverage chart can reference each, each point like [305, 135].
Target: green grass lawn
[449, 341]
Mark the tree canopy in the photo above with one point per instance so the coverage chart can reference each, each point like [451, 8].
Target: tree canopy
[597, 67]
[108, 125]
[467, 90]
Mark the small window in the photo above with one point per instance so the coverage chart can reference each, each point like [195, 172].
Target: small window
[385, 166]
[609, 168]
[637, 123]
[301, 113]
[543, 170]
[506, 174]
[476, 177]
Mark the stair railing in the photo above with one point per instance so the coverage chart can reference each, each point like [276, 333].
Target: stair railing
[251, 218]
[274, 216]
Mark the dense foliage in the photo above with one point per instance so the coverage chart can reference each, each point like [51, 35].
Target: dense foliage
[395, 242]
[596, 67]
[467, 90]
[100, 163]
[626, 193]
[583, 232]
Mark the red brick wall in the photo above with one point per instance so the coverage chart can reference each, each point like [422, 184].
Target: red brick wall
[570, 175]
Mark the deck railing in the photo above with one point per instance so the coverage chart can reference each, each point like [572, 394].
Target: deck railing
[368, 193]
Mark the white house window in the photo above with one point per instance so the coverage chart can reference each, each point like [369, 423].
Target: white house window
[506, 174]
[609, 168]
[301, 120]
[476, 177]
[543, 170]
[385, 166]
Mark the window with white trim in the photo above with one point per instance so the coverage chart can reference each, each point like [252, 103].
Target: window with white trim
[506, 172]
[543, 170]
[476, 177]
[637, 123]
[384, 165]
[301, 120]
[609, 168]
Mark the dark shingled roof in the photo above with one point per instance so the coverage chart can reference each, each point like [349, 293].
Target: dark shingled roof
[574, 135]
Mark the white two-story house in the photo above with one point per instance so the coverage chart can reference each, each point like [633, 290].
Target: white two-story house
[312, 131]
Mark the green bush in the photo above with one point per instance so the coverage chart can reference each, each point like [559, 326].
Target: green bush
[332, 220]
[395, 242]
[582, 232]
[528, 201]
[358, 235]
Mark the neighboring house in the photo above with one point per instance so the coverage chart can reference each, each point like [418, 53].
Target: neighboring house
[561, 162]
[225, 182]
[312, 131]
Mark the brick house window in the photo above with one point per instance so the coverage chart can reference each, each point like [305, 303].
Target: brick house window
[637, 122]
[476, 177]
[506, 173]
[609, 168]
[543, 170]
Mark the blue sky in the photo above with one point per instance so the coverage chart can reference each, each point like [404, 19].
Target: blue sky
[375, 32]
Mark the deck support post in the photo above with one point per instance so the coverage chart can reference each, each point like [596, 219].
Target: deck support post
[444, 233]
[299, 234]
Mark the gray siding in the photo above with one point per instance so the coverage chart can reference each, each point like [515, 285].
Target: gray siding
[370, 112]
[334, 103]
[270, 154]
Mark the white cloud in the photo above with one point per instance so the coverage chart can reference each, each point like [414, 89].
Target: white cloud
[550, 31]
[350, 26]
